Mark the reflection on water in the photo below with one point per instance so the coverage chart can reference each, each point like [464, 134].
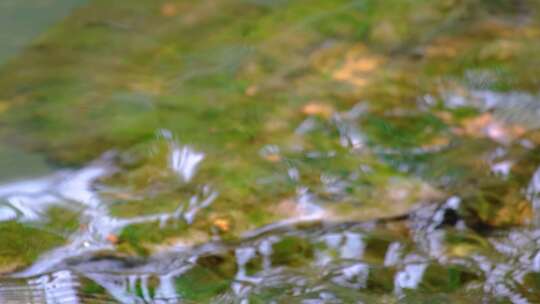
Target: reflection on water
[58, 287]
[305, 256]
[327, 264]
[27, 201]
[308, 152]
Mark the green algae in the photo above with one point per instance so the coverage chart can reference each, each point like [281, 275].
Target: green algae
[446, 279]
[62, 220]
[291, 251]
[151, 80]
[138, 238]
[210, 277]
[113, 74]
[21, 244]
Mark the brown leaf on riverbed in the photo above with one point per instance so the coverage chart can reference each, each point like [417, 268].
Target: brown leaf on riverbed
[273, 158]
[357, 67]
[222, 224]
[169, 10]
[318, 109]
[512, 215]
[251, 90]
[112, 238]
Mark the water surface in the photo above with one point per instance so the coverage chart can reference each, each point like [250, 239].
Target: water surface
[243, 151]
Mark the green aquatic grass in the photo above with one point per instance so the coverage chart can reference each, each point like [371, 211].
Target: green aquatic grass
[62, 220]
[21, 244]
[112, 74]
[210, 277]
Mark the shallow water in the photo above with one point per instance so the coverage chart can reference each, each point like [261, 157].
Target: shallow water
[305, 152]
[21, 22]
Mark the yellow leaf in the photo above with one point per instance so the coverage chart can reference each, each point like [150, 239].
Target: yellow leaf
[318, 109]
[222, 224]
[357, 67]
[169, 9]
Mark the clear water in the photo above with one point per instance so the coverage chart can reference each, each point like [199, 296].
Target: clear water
[270, 152]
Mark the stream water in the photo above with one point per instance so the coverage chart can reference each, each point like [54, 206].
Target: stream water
[253, 151]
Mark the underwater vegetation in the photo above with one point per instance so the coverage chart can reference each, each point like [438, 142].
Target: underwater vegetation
[268, 151]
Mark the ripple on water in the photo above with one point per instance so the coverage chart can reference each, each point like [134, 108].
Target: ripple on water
[307, 256]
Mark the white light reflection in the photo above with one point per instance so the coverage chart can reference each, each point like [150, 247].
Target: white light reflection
[184, 161]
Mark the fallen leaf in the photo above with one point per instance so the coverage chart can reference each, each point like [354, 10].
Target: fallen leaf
[513, 214]
[251, 90]
[169, 10]
[222, 224]
[113, 239]
[318, 109]
[357, 67]
[273, 158]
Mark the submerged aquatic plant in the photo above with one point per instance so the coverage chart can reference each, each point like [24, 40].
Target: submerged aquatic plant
[307, 152]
